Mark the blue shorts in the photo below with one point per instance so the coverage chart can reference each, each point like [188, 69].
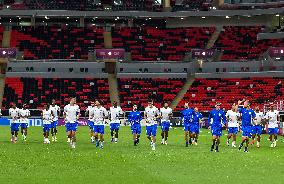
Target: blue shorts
[165, 126]
[247, 131]
[114, 126]
[24, 125]
[272, 131]
[136, 128]
[186, 127]
[71, 127]
[54, 124]
[194, 128]
[46, 127]
[15, 127]
[232, 130]
[91, 124]
[216, 131]
[151, 130]
[256, 130]
[99, 129]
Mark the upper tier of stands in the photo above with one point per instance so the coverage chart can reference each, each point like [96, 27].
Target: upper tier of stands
[237, 43]
[137, 5]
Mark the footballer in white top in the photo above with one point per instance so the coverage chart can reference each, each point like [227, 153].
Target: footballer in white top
[90, 115]
[233, 126]
[71, 115]
[47, 119]
[100, 114]
[14, 115]
[165, 114]
[272, 116]
[257, 126]
[151, 113]
[24, 114]
[56, 112]
[115, 112]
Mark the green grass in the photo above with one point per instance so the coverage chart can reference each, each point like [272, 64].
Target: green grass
[34, 162]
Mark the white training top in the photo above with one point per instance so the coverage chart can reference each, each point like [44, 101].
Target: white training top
[115, 112]
[272, 118]
[71, 112]
[24, 114]
[151, 114]
[99, 115]
[258, 118]
[14, 114]
[165, 112]
[47, 116]
[233, 118]
[90, 112]
[55, 110]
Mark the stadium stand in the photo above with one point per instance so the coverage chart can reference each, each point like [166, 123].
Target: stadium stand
[56, 42]
[154, 44]
[204, 93]
[241, 43]
[134, 90]
[38, 91]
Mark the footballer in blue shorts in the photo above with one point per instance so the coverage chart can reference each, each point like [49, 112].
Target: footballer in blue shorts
[257, 127]
[134, 118]
[232, 116]
[165, 115]
[47, 118]
[186, 117]
[71, 115]
[273, 118]
[115, 113]
[100, 114]
[56, 112]
[194, 126]
[248, 115]
[24, 114]
[151, 114]
[14, 115]
[217, 119]
[90, 114]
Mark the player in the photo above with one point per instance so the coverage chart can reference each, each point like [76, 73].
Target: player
[90, 114]
[56, 112]
[14, 115]
[217, 118]
[100, 114]
[186, 116]
[165, 114]
[71, 115]
[24, 114]
[115, 113]
[134, 118]
[232, 116]
[248, 115]
[273, 117]
[257, 127]
[47, 119]
[150, 115]
[197, 117]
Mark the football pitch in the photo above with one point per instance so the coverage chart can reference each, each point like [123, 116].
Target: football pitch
[35, 162]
